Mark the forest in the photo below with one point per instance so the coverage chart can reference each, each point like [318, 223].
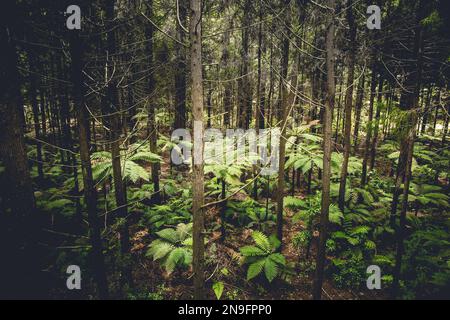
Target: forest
[225, 150]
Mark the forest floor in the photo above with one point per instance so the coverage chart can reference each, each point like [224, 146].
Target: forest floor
[150, 276]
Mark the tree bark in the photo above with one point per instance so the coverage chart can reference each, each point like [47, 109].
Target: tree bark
[35, 108]
[410, 103]
[195, 36]
[115, 136]
[245, 91]
[369, 127]
[327, 122]
[180, 73]
[359, 105]
[284, 115]
[376, 129]
[90, 193]
[20, 275]
[151, 106]
[348, 104]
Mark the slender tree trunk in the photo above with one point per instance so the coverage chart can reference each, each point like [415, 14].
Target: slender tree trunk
[261, 76]
[410, 102]
[227, 102]
[359, 106]
[446, 122]
[43, 101]
[325, 206]
[151, 105]
[245, 91]
[119, 187]
[426, 109]
[195, 36]
[376, 129]
[436, 114]
[20, 275]
[209, 107]
[284, 115]
[90, 193]
[180, 73]
[37, 128]
[223, 208]
[348, 104]
[369, 127]
[338, 108]
[259, 109]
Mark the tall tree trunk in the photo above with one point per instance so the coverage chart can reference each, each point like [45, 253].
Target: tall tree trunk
[340, 84]
[151, 105]
[259, 109]
[227, 102]
[409, 103]
[20, 275]
[195, 36]
[90, 193]
[359, 106]
[369, 126]
[180, 73]
[35, 108]
[119, 187]
[376, 128]
[348, 104]
[436, 114]
[426, 109]
[209, 107]
[245, 91]
[260, 112]
[446, 123]
[327, 136]
[284, 115]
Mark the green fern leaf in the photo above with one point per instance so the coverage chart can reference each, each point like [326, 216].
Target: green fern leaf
[161, 249]
[270, 269]
[169, 235]
[183, 230]
[261, 241]
[175, 257]
[134, 172]
[252, 251]
[145, 156]
[255, 269]
[293, 202]
[278, 258]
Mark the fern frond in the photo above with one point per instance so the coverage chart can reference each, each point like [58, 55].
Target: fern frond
[134, 172]
[278, 258]
[360, 230]
[183, 230]
[293, 202]
[175, 257]
[159, 249]
[261, 241]
[169, 235]
[252, 251]
[255, 269]
[145, 156]
[270, 269]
